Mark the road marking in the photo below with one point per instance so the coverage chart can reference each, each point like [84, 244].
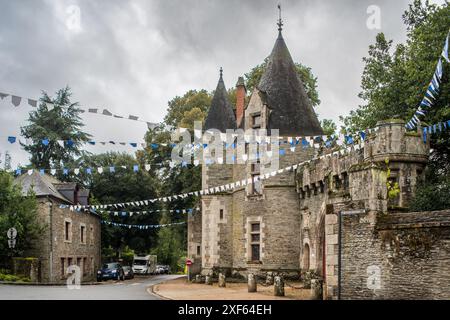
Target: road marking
[136, 284]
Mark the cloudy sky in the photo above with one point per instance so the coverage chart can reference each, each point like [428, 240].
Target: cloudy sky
[131, 57]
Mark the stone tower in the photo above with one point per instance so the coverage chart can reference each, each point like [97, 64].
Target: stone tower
[216, 208]
[266, 215]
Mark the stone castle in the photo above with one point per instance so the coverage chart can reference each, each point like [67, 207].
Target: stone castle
[295, 221]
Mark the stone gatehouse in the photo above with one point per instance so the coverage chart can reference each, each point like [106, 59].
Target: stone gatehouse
[293, 222]
[70, 237]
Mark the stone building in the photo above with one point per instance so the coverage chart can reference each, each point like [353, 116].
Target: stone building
[298, 221]
[70, 237]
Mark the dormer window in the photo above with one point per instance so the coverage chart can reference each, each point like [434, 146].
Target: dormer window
[256, 121]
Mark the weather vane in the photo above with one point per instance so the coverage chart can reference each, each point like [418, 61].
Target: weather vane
[280, 22]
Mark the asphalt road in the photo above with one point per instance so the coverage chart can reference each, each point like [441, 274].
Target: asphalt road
[135, 289]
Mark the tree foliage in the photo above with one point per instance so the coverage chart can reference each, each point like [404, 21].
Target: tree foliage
[18, 211]
[177, 107]
[62, 122]
[122, 186]
[395, 79]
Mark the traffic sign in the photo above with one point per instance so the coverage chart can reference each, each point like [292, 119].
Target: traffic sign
[12, 243]
[188, 262]
[12, 233]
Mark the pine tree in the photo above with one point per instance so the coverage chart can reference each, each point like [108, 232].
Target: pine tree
[55, 119]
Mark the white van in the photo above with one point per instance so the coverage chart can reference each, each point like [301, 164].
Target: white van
[144, 265]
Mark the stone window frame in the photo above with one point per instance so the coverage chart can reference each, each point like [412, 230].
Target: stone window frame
[248, 242]
[92, 268]
[83, 235]
[84, 267]
[68, 237]
[63, 269]
[91, 234]
[253, 117]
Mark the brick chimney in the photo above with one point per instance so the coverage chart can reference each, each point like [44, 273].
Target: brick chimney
[240, 100]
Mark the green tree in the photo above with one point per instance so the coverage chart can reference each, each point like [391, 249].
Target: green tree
[171, 243]
[123, 185]
[253, 77]
[62, 122]
[190, 116]
[328, 126]
[395, 80]
[179, 105]
[18, 211]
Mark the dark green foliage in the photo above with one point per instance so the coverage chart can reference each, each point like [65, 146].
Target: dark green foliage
[20, 212]
[122, 186]
[61, 123]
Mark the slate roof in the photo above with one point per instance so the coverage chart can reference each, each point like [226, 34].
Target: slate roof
[42, 185]
[291, 110]
[221, 115]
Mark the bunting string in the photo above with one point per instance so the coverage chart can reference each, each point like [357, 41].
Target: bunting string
[441, 126]
[132, 213]
[16, 101]
[217, 189]
[341, 141]
[432, 92]
[141, 226]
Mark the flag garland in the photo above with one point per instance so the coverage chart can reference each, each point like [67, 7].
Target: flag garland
[131, 213]
[141, 226]
[217, 189]
[242, 183]
[341, 140]
[17, 100]
[432, 92]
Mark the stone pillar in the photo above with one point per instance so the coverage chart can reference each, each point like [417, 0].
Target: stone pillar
[222, 283]
[269, 279]
[208, 280]
[278, 287]
[331, 255]
[251, 283]
[316, 289]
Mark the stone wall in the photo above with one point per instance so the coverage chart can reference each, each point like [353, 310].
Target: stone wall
[400, 256]
[195, 241]
[52, 247]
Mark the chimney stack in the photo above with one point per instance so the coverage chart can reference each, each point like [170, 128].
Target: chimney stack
[240, 100]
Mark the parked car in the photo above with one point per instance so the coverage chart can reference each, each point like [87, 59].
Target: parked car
[128, 272]
[162, 269]
[111, 270]
[166, 269]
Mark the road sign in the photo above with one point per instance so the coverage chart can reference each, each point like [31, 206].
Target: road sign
[12, 243]
[188, 262]
[12, 233]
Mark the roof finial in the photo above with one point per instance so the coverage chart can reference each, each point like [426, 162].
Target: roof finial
[221, 72]
[280, 22]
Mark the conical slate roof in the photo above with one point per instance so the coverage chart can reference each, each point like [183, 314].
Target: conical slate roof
[221, 115]
[291, 110]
